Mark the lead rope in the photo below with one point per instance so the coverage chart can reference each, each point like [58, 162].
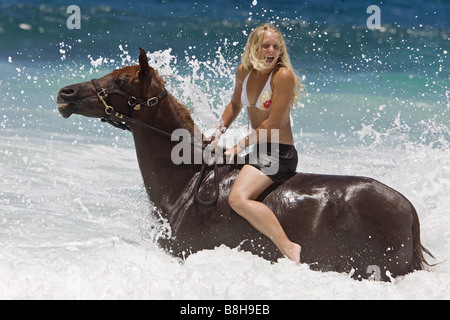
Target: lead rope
[199, 182]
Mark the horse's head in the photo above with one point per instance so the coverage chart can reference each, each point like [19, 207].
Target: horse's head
[123, 87]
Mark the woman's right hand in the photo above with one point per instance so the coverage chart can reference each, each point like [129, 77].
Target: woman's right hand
[216, 136]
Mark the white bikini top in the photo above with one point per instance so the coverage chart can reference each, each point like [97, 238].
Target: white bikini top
[265, 97]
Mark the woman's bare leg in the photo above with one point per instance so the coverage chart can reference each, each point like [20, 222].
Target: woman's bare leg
[248, 186]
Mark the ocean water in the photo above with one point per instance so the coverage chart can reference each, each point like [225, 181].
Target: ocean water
[75, 222]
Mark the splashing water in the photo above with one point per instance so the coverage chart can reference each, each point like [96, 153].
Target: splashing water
[75, 221]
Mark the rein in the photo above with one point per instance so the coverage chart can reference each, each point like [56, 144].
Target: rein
[137, 104]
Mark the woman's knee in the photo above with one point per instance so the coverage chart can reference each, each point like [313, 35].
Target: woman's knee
[237, 201]
[248, 185]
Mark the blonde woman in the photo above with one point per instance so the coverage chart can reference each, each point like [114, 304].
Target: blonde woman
[268, 86]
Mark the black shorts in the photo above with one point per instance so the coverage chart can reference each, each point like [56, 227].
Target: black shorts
[277, 161]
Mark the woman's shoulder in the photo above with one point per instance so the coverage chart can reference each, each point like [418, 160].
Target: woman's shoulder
[283, 76]
[283, 73]
[241, 71]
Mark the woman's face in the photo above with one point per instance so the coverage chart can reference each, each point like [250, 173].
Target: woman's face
[270, 49]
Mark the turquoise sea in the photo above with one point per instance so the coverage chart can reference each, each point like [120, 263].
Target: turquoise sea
[378, 105]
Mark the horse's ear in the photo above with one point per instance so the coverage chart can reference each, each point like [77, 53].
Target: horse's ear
[143, 63]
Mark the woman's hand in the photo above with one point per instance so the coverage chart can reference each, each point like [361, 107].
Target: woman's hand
[230, 154]
[216, 136]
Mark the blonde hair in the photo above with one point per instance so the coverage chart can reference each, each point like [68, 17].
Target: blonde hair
[250, 58]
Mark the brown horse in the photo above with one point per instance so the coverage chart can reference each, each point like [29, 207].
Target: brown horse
[344, 223]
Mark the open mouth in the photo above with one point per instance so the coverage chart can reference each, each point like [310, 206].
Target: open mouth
[65, 109]
[62, 105]
[269, 60]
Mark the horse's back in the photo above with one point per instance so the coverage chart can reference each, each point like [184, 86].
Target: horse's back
[346, 223]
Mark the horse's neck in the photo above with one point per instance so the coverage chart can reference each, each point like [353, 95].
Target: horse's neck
[171, 115]
[163, 180]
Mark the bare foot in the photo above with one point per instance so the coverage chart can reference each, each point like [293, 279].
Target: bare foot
[292, 252]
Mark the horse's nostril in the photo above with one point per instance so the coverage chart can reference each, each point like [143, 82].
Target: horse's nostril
[68, 91]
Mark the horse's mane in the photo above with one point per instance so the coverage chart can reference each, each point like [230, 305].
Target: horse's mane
[182, 113]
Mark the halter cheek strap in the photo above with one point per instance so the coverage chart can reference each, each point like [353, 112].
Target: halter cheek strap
[136, 103]
[152, 101]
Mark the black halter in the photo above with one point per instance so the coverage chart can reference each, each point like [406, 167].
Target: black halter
[133, 102]
[138, 103]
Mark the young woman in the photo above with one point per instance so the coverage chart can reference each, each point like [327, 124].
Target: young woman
[268, 86]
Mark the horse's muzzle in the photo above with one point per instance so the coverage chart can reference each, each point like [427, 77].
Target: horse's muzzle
[66, 101]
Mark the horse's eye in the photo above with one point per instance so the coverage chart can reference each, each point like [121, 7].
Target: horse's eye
[120, 82]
